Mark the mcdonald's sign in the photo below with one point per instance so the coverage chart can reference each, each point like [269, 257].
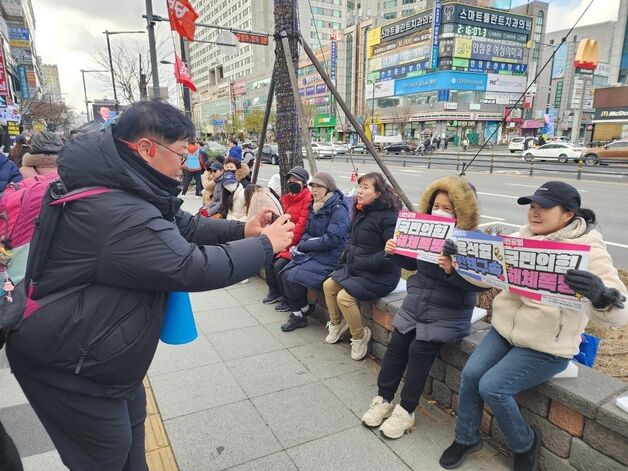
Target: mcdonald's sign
[586, 57]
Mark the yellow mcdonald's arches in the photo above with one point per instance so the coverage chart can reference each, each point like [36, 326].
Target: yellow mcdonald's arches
[586, 56]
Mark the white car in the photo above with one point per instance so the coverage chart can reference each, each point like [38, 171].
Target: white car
[516, 144]
[554, 151]
[320, 151]
[340, 148]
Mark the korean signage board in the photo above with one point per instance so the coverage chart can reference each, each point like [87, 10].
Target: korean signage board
[407, 26]
[251, 38]
[21, 74]
[417, 53]
[380, 89]
[444, 80]
[608, 114]
[4, 89]
[436, 32]
[497, 67]
[22, 56]
[422, 236]
[238, 88]
[485, 50]
[480, 257]
[401, 42]
[403, 71]
[501, 98]
[559, 65]
[373, 38]
[452, 29]
[13, 128]
[324, 121]
[332, 61]
[493, 19]
[558, 94]
[19, 43]
[19, 33]
[506, 83]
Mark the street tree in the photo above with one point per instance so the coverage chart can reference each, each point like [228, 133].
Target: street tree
[55, 115]
[254, 121]
[287, 121]
[401, 117]
[126, 69]
[234, 126]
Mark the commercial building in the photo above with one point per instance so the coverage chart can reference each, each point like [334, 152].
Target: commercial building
[52, 86]
[610, 120]
[455, 69]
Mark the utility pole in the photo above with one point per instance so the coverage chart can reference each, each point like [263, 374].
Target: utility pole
[150, 26]
[187, 105]
[113, 77]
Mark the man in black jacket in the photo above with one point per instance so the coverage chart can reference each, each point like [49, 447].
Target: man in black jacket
[81, 358]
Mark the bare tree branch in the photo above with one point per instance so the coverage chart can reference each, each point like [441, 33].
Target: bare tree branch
[401, 116]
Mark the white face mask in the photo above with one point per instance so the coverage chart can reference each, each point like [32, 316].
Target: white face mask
[440, 212]
[231, 187]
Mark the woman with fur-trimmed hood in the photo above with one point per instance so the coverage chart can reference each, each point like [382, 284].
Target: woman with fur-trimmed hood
[436, 310]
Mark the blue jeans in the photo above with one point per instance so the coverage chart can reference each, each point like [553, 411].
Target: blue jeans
[494, 373]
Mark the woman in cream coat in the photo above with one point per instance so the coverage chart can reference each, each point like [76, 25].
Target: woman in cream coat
[531, 342]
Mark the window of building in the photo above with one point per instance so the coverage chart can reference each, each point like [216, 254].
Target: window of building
[407, 2]
[390, 16]
[409, 12]
[390, 3]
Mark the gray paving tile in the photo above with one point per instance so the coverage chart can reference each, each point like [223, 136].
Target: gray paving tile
[304, 413]
[49, 461]
[209, 300]
[12, 394]
[326, 361]
[194, 390]
[355, 390]
[269, 372]
[313, 333]
[26, 430]
[277, 462]
[254, 282]
[246, 342]
[266, 314]
[422, 448]
[220, 438]
[170, 358]
[355, 449]
[221, 319]
[250, 293]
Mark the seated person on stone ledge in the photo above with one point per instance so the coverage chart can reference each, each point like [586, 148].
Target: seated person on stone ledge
[437, 309]
[364, 273]
[530, 342]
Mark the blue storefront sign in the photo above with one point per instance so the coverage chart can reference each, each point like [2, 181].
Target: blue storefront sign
[218, 122]
[19, 33]
[402, 70]
[445, 80]
[332, 61]
[436, 32]
[21, 73]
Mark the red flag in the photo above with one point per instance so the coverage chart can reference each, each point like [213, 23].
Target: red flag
[182, 74]
[182, 18]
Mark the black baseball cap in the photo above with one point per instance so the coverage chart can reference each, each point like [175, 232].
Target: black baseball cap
[553, 194]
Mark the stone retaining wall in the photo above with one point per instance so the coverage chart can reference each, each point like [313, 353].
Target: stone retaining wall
[582, 428]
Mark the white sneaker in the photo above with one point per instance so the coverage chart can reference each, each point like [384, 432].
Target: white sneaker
[378, 411]
[400, 422]
[335, 331]
[243, 282]
[359, 347]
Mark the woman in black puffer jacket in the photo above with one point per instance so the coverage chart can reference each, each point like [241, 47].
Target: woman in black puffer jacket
[365, 273]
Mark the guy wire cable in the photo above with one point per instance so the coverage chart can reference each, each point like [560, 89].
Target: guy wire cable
[512, 107]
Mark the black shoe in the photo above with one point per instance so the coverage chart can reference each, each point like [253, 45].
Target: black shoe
[454, 456]
[271, 298]
[282, 307]
[528, 460]
[294, 322]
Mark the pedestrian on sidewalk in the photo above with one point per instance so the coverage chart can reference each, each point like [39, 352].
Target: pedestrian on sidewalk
[530, 342]
[42, 158]
[297, 204]
[436, 310]
[316, 255]
[81, 357]
[193, 169]
[364, 273]
[465, 143]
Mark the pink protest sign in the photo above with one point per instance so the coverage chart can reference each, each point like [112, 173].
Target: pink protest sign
[536, 270]
[422, 236]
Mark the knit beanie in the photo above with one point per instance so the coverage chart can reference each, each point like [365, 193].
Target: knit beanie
[324, 179]
[300, 173]
[46, 142]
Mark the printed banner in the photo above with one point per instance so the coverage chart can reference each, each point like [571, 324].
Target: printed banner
[481, 257]
[422, 236]
[536, 270]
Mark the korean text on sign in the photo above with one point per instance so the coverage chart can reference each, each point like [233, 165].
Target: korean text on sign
[422, 236]
[536, 270]
[480, 257]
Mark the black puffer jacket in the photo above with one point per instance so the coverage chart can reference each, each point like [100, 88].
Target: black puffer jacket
[439, 306]
[125, 249]
[365, 271]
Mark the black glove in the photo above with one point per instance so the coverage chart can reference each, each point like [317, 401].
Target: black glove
[450, 248]
[591, 286]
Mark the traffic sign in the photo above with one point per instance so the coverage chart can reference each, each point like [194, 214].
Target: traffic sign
[252, 38]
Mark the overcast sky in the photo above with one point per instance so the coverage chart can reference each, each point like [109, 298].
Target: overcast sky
[69, 30]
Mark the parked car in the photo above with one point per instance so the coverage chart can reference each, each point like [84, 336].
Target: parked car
[562, 152]
[397, 149]
[516, 144]
[614, 152]
[270, 154]
[358, 149]
[321, 151]
[340, 148]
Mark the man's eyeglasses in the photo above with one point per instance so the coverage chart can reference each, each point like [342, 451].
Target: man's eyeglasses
[183, 157]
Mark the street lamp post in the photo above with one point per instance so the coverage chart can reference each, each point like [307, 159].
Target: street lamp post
[108, 33]
[83, 72]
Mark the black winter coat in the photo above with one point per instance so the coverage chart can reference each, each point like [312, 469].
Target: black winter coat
[365, 272]
[124, 250]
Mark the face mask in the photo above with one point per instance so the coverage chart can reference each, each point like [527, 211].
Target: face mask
[231, 187]
[440, 212]
[230, 171]
[294, 187]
